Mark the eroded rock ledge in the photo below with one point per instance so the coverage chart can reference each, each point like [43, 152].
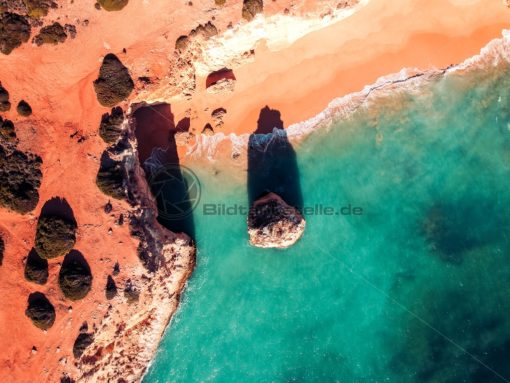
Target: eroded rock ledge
[127, 337]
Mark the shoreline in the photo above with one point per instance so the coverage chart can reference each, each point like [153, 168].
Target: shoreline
[407, 79]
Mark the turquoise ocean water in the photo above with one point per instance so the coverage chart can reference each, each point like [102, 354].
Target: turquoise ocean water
[416, 289]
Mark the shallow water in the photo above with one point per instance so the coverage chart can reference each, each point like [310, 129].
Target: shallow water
[415, 289]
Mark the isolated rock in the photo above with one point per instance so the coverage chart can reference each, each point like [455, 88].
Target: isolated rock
[112, 5]
[75, 278]
[36, 268]
[40, 311]
[81, 343]
[111, 125]
[114, 83]
[251, 8]
[24, 109]
[55, 236]
[274, 223]
[14, 30]
[21, 177]
[131, 292]
[51, 34]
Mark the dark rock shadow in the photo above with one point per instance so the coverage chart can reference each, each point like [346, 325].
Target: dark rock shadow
[272, 165]
[219, 75]
[157, 149]
[58, 207]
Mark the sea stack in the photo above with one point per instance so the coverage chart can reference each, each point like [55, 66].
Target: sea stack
[272, 223]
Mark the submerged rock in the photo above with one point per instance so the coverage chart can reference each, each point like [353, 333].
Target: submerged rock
[36, 268]
[114, 83]
[40, 311]
[14, 30]
[75, 278]
[274, 223]
[54, 237]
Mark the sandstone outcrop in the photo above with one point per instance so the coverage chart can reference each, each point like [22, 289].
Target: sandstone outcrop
[274, 223]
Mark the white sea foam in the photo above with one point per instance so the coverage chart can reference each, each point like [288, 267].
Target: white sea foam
[493, 54]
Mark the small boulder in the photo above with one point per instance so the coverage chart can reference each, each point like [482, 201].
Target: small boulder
[40, 311]
[272, 223]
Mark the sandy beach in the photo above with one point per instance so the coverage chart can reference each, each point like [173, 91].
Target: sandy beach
[299, 79]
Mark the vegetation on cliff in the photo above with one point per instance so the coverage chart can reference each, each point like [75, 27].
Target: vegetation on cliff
[114, 83]
[111, 125]
[75, 277]
[40, 311]
[110, 178]
[83, 340]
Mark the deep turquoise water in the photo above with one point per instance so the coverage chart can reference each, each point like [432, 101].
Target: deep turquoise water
[417, 289]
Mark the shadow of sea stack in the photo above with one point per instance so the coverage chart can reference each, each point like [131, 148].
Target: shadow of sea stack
[274, 190]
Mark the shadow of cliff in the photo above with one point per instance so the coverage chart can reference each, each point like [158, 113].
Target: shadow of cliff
[157, 150]
[58, 207]
[272, 165]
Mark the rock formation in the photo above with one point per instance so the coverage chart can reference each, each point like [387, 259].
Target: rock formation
[83, 340]
[274, 223]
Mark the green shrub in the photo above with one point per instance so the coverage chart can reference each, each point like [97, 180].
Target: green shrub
[36, 268]
[111, 125]
[14, 30]
[75, 278]
[24, 109]
[40, 311]
[51, 34]
[114, 83]
[81, 343]
[21, 177]
[54, 237]
[110, 177]
[112, 5]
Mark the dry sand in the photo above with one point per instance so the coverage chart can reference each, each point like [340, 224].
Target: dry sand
[298, 80]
